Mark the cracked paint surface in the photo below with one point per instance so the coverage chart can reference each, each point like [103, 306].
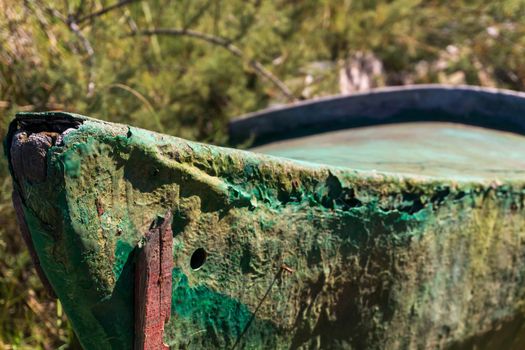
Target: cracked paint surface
[379, 260]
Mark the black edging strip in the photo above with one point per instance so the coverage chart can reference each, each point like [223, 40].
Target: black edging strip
[484, 107]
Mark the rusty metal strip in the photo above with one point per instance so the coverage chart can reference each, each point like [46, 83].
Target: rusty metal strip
[153, 286]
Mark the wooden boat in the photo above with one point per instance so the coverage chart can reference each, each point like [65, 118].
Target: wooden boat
[392, 219]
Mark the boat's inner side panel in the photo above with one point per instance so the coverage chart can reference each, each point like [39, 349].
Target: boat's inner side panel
[424, 148]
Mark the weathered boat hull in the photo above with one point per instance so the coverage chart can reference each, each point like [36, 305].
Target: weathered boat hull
[267, 252]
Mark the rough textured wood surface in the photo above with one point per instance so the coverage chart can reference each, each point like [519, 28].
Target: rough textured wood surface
[153, 286]
[380, 260]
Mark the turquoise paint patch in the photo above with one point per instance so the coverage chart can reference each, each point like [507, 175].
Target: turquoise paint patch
[442, 150]
[212, 319]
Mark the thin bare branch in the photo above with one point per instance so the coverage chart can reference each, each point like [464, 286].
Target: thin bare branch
[90, 56]
[103, 11]
[72, 24]
[197, 16]
[142, 99]
[130, 21]
[80, 8]
[226, 44]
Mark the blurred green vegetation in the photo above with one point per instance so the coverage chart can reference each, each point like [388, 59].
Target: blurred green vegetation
[76, 56]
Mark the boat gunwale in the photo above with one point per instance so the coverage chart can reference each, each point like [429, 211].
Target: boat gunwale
[491, 108]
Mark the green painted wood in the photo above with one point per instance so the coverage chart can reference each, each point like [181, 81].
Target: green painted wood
[270, 252]
[441, 150]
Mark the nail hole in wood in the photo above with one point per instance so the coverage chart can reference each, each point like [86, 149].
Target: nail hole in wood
[198, 258]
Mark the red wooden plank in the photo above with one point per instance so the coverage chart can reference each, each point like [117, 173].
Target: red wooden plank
[166, 267]
[153, 286]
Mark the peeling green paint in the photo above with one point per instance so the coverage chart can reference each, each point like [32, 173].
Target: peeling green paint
[379, 260]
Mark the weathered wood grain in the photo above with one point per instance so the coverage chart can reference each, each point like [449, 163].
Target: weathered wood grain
[153, 286]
